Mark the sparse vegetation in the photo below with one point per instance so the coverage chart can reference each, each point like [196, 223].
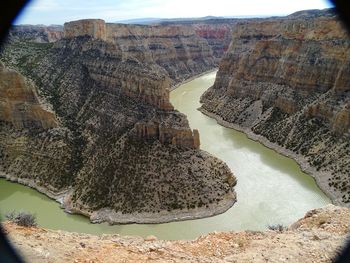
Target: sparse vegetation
[277, 227]
[22, 218]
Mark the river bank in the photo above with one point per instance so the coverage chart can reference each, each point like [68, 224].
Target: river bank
[164, 216]
[58, 197]
[112, 217]
[321, 178]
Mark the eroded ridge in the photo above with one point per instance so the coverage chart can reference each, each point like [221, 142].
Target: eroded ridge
[119, 152]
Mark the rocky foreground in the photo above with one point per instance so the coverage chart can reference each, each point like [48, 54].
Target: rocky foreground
[285, 82]
[318, 237]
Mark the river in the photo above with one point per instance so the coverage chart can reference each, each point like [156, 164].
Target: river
[271, 188]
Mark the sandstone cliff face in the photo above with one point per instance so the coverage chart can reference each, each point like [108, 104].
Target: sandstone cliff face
[182, 49]
[167, 129]
[217, 32]
[125, 150]
[177, 49]
[95, 28]
[32, 143]
[218, 35]
[19, 103]
[318, 237]
[287, 80]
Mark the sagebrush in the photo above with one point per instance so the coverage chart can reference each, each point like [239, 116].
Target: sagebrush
[22, 218]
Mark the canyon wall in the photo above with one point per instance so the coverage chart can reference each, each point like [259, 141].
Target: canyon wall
[36, 33]
[285, 81]
[95, 28]
[175, 48]
[121, 152]
[218, 35]
[32, 142]
[183, 49]
[19, 103]
[217, 32]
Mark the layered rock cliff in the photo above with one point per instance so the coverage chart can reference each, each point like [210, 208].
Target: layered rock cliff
[34, 149]
[217, 32]
[218, 35]
[285, 81]
[19, 103]
[119, 151]
[183, 49]
[95, 28]
[318, 237]
[177, 49]
[36, 33]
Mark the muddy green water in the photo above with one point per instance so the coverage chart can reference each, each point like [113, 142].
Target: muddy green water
[271, 188]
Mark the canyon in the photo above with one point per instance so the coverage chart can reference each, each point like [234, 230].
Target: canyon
[104, 139]
[183, 48]
[285, 82]
[262, 174]
[86, 119]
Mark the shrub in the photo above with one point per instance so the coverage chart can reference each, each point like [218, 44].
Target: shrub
[22, 218]
[10, 216]
[277, 227]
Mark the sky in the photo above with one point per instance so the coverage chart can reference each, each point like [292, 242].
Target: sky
[49, 12]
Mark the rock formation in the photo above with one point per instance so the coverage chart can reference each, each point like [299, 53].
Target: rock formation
[32, 145]
[183, 49]
[95, 28]
[286, 82]
[19, 103]
[38, 34]
[218, 35]
[318, 237]
[217, 32]
[118, 152]
[178, 49]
